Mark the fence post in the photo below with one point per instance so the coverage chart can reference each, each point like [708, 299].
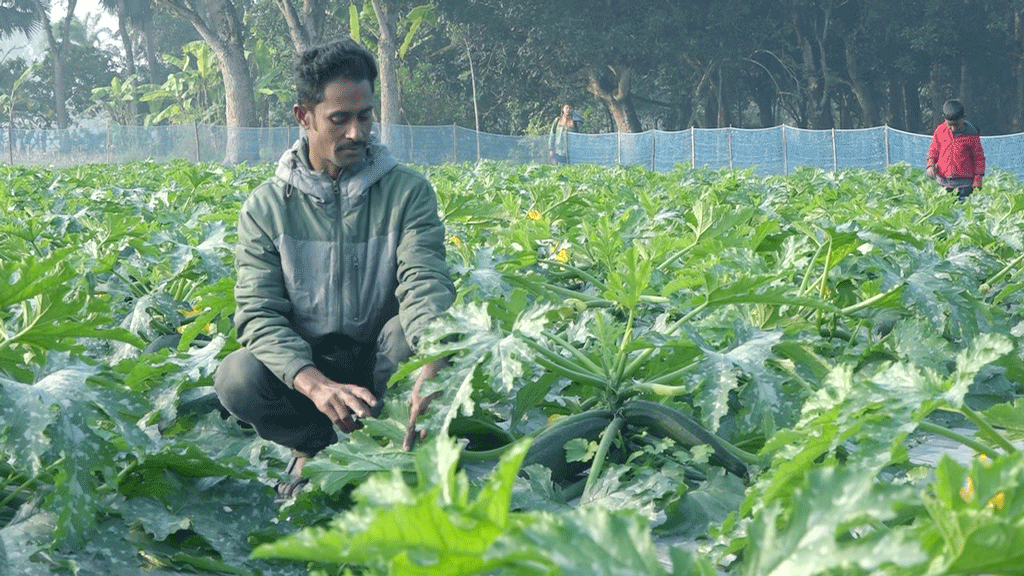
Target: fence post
[885, 131]
[730, 147]
[195, 127]
[835, 159]
[785, 152]
[654, 142]
[693, 150]
[108, 142]
[455, 142]
[618, 148]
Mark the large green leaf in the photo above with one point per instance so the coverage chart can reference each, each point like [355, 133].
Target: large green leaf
[835, 521]
[75, 429]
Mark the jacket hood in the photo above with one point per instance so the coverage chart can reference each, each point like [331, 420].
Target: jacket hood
[352, 183]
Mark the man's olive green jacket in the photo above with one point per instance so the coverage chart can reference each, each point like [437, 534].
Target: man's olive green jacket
[318, 257]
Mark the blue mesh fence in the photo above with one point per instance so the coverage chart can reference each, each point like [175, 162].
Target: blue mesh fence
[777, 150]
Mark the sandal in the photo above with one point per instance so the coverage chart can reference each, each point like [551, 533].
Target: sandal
[291, 487]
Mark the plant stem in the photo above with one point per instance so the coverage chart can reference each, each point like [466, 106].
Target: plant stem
[620, 357]
[1006, 269]
[18, 490]
[969, 442]
[484, 455]
[642, 357]
[987, 429]
[584, 275]
[31, 480]
[808, 272]
[866, 303]
[607, 437]
[576, 353]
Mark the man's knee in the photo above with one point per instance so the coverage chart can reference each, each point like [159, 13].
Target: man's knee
[236, 381]
[392, 349]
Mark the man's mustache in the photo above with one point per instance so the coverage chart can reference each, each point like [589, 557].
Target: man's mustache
[353, 145]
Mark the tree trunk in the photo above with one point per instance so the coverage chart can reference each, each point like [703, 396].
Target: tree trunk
[151, 58]
[305, 25]
[861, 89]
[965, 82]
[913, 103]
[129, 54]
[387, 61]
[894, 103]
[241, 107]
[297, 28]
[616, 96]
[935, 75]
[724, 119]
[219, 22]
[1017, 117]
[57, 52]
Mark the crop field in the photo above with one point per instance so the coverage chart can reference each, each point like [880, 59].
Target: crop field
[696, 372]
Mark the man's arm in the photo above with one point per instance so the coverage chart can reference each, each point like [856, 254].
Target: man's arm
[425, 288]
[978, 154]
[262, 306]
[933, 154]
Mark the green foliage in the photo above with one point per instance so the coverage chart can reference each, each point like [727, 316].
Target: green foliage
[193, 93]
[820, 324]
[117, 98]
[436, 526]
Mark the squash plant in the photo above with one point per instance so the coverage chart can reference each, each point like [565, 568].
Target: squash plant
[694, 372]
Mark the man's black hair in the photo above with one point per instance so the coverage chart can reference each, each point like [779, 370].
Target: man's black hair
[953, 110]
[319, 66]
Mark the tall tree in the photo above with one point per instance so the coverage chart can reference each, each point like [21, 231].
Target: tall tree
[611, 49]
[307, 26]
[18, 17]
[122, 10]
[308, 23]
[219, 22]
[387, 61]
[1017, 118]
[57, 49]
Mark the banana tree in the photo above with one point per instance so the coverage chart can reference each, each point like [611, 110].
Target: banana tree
[10, 100]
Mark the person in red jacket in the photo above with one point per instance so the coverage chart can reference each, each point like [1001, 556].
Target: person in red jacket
[955, 158]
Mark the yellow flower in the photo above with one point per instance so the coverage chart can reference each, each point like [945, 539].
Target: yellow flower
[453, 239]
[998, 501]
[562, 256]
[533, 214]
[967, 490]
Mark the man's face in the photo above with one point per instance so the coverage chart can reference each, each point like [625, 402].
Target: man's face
[955, 125]
[338, 127]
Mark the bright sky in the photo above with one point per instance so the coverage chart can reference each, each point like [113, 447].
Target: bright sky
[83, 7]
[19, 46]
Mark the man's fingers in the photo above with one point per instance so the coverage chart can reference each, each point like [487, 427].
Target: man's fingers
[344, 404]
[363, 400]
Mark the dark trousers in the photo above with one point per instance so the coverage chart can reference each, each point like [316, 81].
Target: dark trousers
[253, 394]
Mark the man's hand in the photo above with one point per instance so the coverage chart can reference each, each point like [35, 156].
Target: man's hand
[420, 404]
[930, 171]
[337, 401]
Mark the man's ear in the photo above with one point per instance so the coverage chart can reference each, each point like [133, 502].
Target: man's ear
[302, 115]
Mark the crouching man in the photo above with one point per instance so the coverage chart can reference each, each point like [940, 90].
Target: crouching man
[340, 265]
